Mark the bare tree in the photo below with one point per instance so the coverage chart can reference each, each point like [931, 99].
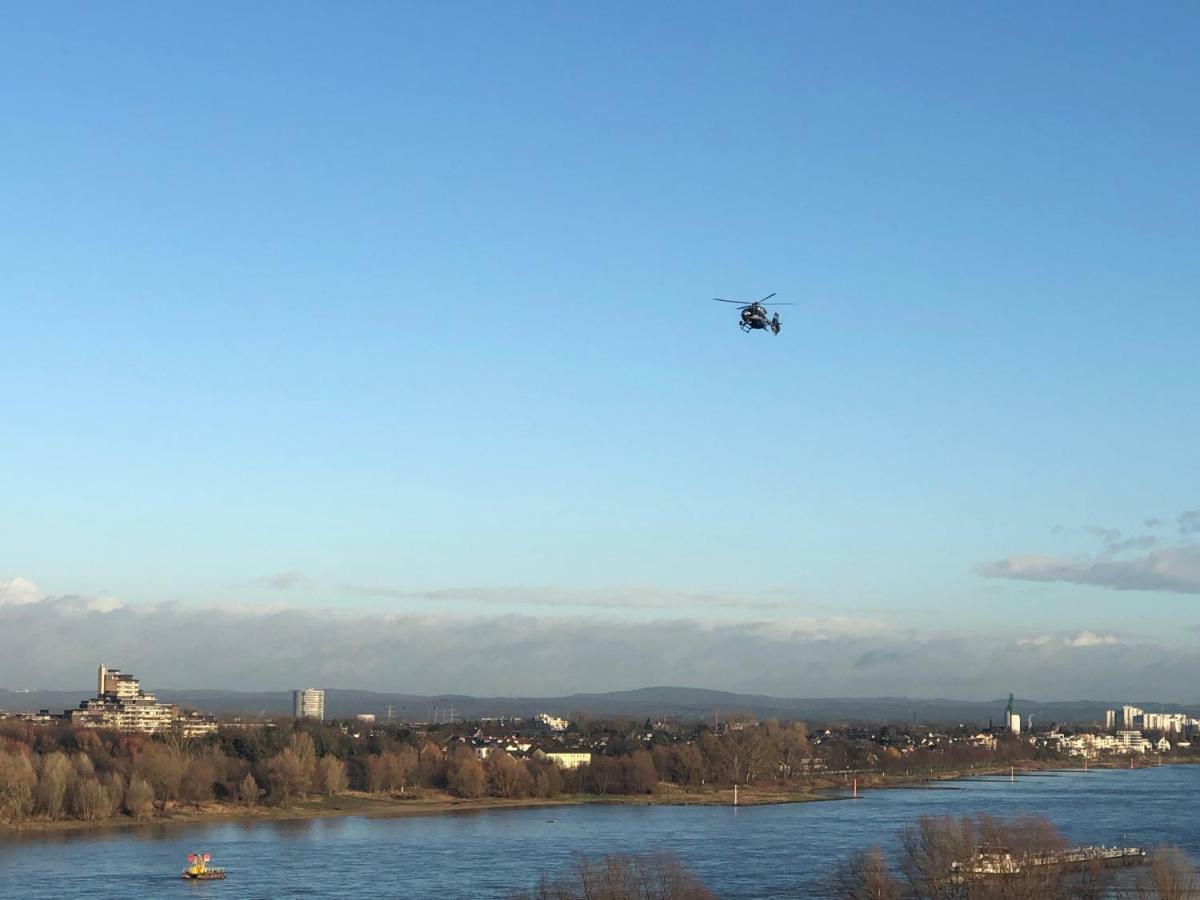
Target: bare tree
[302, 745]
[114, 790]
[638, 775]
[386, 772]
[866, 876]
[937, 857]
[331, 776]
[248, 790]
[431, 765]
[55, 775]
[162, 767]
[546, 777]
[139, 798]
[1170, 875]
[196, 786]
[287, 777]
[17, 782]
[464, 774]
[929, 851]
[791, 743]
[656, 877]
[1024, 839]
[690, 764]
[602, 774]
[506, 777]
[88, 799]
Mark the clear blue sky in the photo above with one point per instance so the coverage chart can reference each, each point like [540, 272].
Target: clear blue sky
[417, 297]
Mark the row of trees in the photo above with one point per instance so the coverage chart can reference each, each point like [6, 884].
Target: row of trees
[83, 773]
[137, 777]
[88, 774]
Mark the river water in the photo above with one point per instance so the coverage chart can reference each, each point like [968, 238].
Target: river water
[765, 851]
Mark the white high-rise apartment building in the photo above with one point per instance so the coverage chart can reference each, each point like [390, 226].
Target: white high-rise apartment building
[1129, 714]
[309, 703]
[1110, 719]
[121, 704]
[1174, 722]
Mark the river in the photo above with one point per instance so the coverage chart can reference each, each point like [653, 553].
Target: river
[765, 851]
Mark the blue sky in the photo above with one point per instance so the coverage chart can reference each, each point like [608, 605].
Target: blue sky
[406, 308]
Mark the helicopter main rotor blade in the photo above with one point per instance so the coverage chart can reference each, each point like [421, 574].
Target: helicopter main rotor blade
[768, 297]
[781, 304]
[719, 300]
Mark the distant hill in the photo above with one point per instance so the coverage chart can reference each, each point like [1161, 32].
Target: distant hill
[688, 703]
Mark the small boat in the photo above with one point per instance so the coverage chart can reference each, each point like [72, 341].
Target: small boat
[198, 869]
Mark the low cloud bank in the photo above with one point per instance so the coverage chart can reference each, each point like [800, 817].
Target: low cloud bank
[56, 642]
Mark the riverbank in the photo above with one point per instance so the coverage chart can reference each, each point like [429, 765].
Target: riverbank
[420, 803]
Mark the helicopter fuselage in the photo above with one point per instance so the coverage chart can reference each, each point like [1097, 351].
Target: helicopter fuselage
[754, 317]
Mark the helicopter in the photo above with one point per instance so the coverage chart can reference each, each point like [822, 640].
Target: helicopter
[754, 314]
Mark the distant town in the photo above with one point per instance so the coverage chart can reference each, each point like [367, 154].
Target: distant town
[122, 705]
[124, 754]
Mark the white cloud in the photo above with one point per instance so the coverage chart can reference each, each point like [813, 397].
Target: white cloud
[278, 581]
[21, 592]
[1170, 570]
[1081, 639]
[17, 591]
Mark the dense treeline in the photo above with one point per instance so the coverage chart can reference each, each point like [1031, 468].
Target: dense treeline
[89, 774]
[53, 772]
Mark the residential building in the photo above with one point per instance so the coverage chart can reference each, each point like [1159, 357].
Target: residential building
[985, 740]
[569, 759]
[553, 722]
[308, 703]
[1129, 715]
[1172, 722]
[1131, 741]
[1110, 719]
[121, 704]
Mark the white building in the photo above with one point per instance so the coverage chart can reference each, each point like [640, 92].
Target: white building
[1089, 746]
[1172, 722]
[1014, 723]
[553, 722]
[121, 704]
[1110, 719]
[309, 703]
[1130, 741]
[570, 760]
[1129, 714]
